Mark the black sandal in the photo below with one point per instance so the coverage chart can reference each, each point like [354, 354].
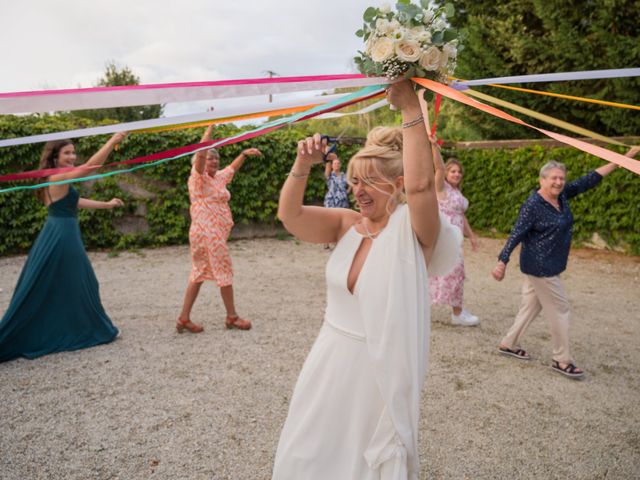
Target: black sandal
[569, 370]
[519, 353]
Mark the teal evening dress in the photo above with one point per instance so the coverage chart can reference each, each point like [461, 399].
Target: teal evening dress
[56, 304]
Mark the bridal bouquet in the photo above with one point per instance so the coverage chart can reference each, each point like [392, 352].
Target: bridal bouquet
[413, 41]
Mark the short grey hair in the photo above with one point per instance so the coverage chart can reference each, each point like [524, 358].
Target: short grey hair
[550, 166]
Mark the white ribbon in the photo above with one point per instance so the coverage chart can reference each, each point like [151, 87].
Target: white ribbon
[110, 97]
[169, 121]
[556, 77]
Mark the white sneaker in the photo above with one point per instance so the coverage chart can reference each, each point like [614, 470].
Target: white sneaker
[465, 319]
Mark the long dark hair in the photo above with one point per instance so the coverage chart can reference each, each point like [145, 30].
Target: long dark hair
[49, 159]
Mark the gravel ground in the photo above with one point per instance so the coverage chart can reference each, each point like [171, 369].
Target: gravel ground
[159, 405]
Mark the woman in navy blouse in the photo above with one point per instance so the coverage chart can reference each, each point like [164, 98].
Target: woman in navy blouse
[544, 227]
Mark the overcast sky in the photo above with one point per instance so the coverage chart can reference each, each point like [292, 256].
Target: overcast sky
[51, 44]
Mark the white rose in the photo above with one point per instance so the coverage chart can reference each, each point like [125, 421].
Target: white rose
[427, 16]
[381, 49]
[382, 25]
[419, 34]
[415, 32]
[430, 59]
[450, 50]
[393, 24]
[408, 50]
[385, 8]
[439, 25]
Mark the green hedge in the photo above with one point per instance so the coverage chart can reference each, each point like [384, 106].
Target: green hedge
[496, 183]
[254, 190]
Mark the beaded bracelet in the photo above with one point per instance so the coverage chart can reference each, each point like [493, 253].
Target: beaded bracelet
[413, 122]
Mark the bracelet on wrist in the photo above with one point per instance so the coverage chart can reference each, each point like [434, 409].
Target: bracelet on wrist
[411, 123]
[298, 175]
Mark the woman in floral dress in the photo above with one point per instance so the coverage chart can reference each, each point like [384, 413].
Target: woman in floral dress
[449, 289]
[211, 224]
[337, 188]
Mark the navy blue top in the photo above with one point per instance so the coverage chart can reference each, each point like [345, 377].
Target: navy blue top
[545, 232]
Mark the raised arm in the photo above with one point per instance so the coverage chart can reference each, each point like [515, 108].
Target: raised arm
[438, 164]
[327, 170]
[419, 176]
[200, 157]
[95, 161]
[239, 160]
[311, 224]
[101, 155]
[610, 167]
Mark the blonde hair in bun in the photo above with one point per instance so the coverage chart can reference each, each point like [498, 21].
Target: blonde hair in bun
[381, 157]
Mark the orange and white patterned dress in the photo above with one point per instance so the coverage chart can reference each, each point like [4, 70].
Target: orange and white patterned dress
[211, 224]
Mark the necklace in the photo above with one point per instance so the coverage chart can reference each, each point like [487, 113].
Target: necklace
[371, 236]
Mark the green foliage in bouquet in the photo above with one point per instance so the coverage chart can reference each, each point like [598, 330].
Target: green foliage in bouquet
[412, 41]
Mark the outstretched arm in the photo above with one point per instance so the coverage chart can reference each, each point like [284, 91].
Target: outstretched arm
[610, 167]
[419, 176]
[101, 155]
[239, 160]
[95, 161]
[88, 203]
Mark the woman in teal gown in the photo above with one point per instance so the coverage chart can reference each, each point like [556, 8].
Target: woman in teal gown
[56, 304]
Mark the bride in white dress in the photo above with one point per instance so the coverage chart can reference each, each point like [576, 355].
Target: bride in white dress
[355, 408]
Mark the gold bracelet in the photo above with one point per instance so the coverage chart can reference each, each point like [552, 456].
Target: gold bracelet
[298, 175]
[413, 122]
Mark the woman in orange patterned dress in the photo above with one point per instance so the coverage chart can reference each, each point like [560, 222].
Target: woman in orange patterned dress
[211, 223]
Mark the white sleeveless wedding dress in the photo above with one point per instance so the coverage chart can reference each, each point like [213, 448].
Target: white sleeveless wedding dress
[355, 408]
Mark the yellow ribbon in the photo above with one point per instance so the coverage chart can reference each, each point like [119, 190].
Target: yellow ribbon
[543, 117]
[569, 97]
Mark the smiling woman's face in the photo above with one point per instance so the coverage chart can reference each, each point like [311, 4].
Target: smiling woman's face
[372, 192]
[66, 156]
[552, 183]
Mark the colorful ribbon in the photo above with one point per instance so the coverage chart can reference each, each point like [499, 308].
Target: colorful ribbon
[551, 77]
[132, 95]
[569, 97]
[545, 118]
[608, 155]
[436, 113]
[161, 157]
[223, 115]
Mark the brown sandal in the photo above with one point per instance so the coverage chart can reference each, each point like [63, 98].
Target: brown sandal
[237, 322]
[182, 325]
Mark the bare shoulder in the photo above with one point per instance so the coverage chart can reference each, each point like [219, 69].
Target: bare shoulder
[348, 219]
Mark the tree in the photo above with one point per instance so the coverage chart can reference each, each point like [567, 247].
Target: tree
[520, 37]
[113, 77]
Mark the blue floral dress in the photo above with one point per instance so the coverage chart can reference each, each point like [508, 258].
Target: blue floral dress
[336, 196]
